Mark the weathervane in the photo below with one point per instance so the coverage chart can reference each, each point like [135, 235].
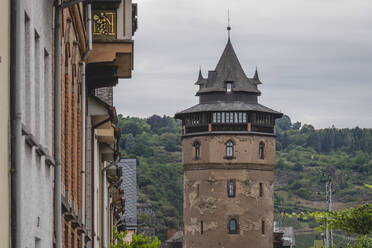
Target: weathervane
[228, 22]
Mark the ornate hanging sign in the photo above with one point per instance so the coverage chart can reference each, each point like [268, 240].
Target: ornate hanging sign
[104, 24]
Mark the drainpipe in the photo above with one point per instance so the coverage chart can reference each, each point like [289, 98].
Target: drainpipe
[83, 125]
[17, 72]
[57, 124]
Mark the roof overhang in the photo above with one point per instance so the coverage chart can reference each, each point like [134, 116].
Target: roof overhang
[109, 61]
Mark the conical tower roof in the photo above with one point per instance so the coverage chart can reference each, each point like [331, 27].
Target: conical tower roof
[256, 78]
[201, 80]
[229, 69]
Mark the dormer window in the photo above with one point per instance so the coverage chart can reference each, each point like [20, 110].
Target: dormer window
[228, 87]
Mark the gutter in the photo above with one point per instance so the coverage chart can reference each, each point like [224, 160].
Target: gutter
[57, 124]
[17, 37]
[83, 120]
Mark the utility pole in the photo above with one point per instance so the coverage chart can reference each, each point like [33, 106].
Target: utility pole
[328, 233]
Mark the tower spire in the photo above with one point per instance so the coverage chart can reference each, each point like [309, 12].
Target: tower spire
[200, 73]
[228, 23]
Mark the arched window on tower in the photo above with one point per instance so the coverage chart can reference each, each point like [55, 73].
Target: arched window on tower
[229, 149]
[233, 226]
[261, 151]
[196, 149]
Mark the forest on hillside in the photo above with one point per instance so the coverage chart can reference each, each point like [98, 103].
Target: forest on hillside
[304, 156]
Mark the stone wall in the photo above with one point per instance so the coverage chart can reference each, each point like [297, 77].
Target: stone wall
[205, 192]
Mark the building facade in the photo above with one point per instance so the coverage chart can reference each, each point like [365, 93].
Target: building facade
[228, 158]
[62, 52]
[5, 125]
[32, 125]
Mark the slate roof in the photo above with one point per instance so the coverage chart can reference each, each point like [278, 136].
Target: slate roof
[130, 192]
[228, 106]
[177, 237]
[227, 69]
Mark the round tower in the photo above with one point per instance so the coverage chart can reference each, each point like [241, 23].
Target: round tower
[228, 158]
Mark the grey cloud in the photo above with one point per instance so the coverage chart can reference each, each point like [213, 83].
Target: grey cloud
[314, 57]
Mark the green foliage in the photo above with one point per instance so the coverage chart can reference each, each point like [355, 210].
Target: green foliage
[138, 241]
[303, 153]
[323, 140]
[156, 143]
[352, 220]
[362, 242]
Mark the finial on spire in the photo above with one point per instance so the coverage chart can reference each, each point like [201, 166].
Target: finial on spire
[256, 77]
[256, 74]
[200, 73]
[228, 23]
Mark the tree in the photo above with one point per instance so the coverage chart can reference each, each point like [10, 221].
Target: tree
[283, 123]
[138, 241]
[352, 220]
[296, 125]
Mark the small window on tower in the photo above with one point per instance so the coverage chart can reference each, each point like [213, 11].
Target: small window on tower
[261, 189]
[233, 226]
[228, 87]
[214, 117]
[261, 152]
[229, 149]
[197, 149]
[231, 188]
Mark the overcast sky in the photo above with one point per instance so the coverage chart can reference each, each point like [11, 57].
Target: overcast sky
[314, 56]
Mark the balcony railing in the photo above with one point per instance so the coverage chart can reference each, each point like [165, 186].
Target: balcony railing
[227, 127]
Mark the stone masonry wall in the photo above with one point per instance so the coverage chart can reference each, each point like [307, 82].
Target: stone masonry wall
[205, 192]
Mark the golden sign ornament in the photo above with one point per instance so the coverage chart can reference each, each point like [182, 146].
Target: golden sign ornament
[104, 23]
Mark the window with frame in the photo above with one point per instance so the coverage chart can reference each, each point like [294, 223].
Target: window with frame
[227, 117]
[233, 226]
[229, 149]
[244, 117]
[196, 150]
[261, 152]
[231, 188]
[263, 227]
[214, 118]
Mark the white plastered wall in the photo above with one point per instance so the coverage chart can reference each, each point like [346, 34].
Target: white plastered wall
[36, 176]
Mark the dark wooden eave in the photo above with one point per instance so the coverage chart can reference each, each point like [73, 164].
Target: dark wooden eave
[101, 75]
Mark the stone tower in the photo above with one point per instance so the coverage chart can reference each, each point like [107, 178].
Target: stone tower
[228, 158]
